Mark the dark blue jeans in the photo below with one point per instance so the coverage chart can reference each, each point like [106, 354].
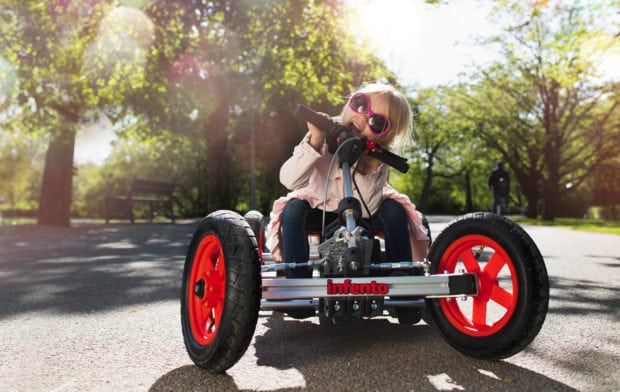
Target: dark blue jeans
[298, 217]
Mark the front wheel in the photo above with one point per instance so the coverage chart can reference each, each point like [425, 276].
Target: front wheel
[221, 292]
[513, 294]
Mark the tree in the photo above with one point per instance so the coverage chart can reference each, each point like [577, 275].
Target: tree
[446, 151]
[191, 67]
[544, 109]
[239, 70]
[71, 62]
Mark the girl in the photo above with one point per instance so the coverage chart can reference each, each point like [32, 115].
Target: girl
[381, 114]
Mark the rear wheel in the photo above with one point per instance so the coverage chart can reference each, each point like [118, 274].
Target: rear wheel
[257, 222]
[513, 296]
[220, 296]
[408, 316]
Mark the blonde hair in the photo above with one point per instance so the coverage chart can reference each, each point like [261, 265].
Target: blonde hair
[399, 113]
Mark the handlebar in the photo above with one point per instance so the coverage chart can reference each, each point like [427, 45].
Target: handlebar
[389, 158]
[336, 132]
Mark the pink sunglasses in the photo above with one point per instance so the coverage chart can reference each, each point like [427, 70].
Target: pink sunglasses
[378, 123]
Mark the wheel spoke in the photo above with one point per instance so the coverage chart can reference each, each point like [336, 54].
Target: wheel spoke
[212, 250]
[501, 296]
[218, 280]
[494, 265]
[470, 262]
[479, 312]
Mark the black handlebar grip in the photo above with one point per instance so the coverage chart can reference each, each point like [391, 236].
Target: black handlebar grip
[397, 162]
[305, 113]
[332, 130]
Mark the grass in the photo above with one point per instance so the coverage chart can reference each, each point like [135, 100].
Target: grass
[17, 221]
[591, 225]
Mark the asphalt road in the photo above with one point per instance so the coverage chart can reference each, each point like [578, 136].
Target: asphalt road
[95, 307]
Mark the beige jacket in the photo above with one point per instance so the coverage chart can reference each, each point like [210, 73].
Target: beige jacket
[306, 172]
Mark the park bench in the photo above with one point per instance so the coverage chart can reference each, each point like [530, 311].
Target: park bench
[156, 194]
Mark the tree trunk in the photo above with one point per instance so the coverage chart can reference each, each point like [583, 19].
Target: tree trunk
[552, 182]
[219, 173]
[550, 200]
[428, 178]
[218, 162]
[529, 183]
[57, 185]
[532, 205]
[469, 203]
[422, 204]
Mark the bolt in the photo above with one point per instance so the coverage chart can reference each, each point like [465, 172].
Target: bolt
[337, 306]
[199, 288]
[356, 305]
[374, 305]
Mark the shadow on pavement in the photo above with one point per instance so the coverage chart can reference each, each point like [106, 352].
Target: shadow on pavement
[570, 295]
[89, 268]
[367, 355]
[192, 378]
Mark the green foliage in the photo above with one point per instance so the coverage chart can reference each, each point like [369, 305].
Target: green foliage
[21, 164]
[235, 71]
[449, 165]
[195, 69]
[164, 157]
[88, 191]
[202, 94]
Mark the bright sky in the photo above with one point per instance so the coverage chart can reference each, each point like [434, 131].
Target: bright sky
[426, 44]
[93, 143]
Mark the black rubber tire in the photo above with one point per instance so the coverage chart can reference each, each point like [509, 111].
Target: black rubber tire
[508, 245]
[235, 246]
[257, 222]
[428, 228]
[409, 316]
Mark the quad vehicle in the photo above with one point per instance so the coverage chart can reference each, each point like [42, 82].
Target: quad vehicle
[484, 285]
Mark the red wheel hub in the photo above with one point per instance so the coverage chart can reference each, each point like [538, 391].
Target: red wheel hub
[489, 311]
[206, 289]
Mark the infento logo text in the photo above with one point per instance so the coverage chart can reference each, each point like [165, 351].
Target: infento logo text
[347, 287]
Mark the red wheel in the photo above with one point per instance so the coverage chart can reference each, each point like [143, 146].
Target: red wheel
[513, 294]
[220, 295]
[206, 289]
[489, 311]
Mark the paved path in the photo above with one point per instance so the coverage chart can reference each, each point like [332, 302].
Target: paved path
[95, 307]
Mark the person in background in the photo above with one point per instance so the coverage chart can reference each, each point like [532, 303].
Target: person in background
[499, 181]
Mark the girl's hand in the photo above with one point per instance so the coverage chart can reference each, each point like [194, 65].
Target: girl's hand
[317, 138]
